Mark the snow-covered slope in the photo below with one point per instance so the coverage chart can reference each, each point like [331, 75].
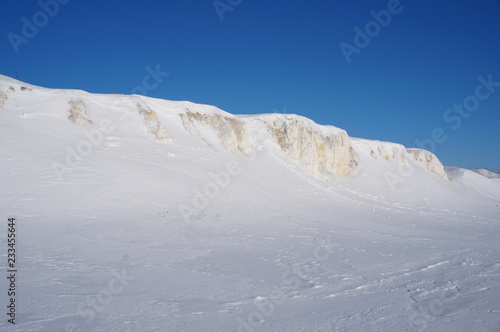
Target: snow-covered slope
[429, 161]
[320, 150]
[141, 214]
[487, 173]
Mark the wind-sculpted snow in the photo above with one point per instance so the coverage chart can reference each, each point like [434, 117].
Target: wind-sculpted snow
[429, 161]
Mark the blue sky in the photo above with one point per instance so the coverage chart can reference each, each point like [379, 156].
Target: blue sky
[283, 56]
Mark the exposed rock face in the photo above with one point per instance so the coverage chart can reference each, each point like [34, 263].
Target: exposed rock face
[3, 98]
[78, 114]
[154, 125]
[231, 133]
[320, 149]
[429, 161]
[394, 152]
[399, 155]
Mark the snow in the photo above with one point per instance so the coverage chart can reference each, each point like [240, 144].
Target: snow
[271, 240]
[487, 173]
[383, 150]
[429, 161]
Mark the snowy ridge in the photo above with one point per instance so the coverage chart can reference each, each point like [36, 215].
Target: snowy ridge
[487, 173]
[322, 151]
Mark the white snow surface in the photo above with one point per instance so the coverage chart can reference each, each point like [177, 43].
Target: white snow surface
[489, 174]
[429, 161]
[141, 214]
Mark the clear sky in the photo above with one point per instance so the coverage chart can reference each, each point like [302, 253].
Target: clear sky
[404, 75]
